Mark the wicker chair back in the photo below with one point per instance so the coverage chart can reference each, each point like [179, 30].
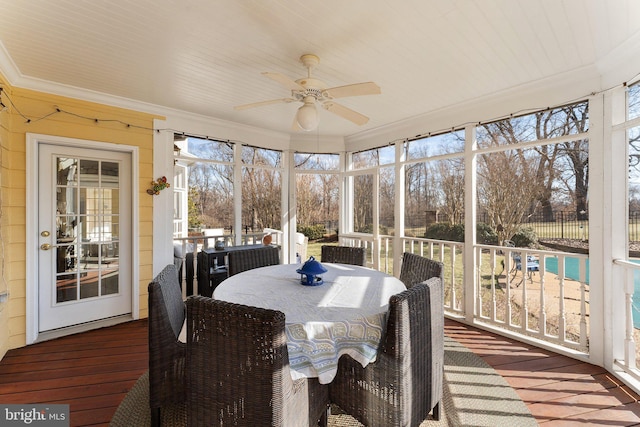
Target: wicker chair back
[343, 255]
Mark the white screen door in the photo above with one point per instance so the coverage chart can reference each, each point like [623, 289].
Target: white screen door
[84, 232]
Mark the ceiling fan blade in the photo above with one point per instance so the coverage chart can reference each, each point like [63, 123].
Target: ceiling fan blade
[346, 113]
[263, 103]
[357, 89]
[284, 81]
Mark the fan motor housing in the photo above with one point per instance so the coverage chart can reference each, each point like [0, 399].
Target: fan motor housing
[312, 83]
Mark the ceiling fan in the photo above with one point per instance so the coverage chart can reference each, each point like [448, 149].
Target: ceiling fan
[311, 92]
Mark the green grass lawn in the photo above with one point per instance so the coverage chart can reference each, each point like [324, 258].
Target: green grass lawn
[313, 249]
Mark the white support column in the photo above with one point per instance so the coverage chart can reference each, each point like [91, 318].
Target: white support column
[399, 209]
[346, 195]
[237, 193]
[615, 206]
[289, 214]
[470, 204]
[375, 247]
[163, 202]
[600, 169]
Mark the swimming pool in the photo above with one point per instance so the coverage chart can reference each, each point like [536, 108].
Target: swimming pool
[572, 271]
[571, 267]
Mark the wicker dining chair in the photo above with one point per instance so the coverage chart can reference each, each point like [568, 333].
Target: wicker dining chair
[240, 261]
[343, 255]
[405, 382]
[238, 370]
[416, 269]
[166, 353]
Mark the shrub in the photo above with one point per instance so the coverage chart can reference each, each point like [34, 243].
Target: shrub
[313, 232]
[525, 237]
[485, 234]
[444, 231]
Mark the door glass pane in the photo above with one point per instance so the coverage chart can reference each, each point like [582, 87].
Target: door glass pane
[110, 176]
[66, 171]
[110, 283]
[110, 201]
[109, 228]
[89, 173]
[66, 229]
[87, 224]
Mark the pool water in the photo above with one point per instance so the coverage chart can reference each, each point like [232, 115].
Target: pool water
[571, 267]
[572, 271]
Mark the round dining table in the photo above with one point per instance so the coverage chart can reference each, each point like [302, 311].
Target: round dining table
[346, 314]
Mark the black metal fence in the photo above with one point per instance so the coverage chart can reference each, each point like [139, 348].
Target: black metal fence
[554, 225]
[557, 225]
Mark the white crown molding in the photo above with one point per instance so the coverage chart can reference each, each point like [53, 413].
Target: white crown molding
[8, 67]
[532, 96]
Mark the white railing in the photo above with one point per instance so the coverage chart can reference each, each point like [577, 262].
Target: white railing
[629, 362]
[536, 293]
[549, 301]
[194, 244]
[381, 257]
[451, 255]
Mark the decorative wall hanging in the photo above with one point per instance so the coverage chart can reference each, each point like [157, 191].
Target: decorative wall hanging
[158, 185]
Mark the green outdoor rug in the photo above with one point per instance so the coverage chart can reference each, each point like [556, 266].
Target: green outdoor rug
[473, 395]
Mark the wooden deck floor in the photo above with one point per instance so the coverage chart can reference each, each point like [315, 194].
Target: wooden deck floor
[94, 370]
[91, 371]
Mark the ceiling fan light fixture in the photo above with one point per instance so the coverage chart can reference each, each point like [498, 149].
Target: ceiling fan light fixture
[307, 116]
[311, 92]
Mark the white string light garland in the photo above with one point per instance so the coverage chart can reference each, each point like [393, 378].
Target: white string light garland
[97, 120]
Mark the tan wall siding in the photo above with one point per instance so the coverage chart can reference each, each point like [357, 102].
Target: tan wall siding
[5, 159]
[80, 125]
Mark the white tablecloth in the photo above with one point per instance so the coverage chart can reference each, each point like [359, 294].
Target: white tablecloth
[345, 315]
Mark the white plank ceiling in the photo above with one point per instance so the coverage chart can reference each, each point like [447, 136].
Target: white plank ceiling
[205, 56]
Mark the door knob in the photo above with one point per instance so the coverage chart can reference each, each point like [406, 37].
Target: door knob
[45, 246]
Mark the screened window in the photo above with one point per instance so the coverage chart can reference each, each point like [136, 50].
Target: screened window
[434, 194]
[363, 203]
[208, 149]
[540, 189]
[209, 185]
[633, 100]
[261, 189]
[261, 157]
[547, 124]
[436, 145]
[374, 157]
[320, 162]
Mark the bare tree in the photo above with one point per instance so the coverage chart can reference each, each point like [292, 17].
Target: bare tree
[507, 189]
[309, 199]
[387, 196]
[567, 162]
[452, 188]
[363, 203]
[211, 188]
[261, 200]
[317, 191]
